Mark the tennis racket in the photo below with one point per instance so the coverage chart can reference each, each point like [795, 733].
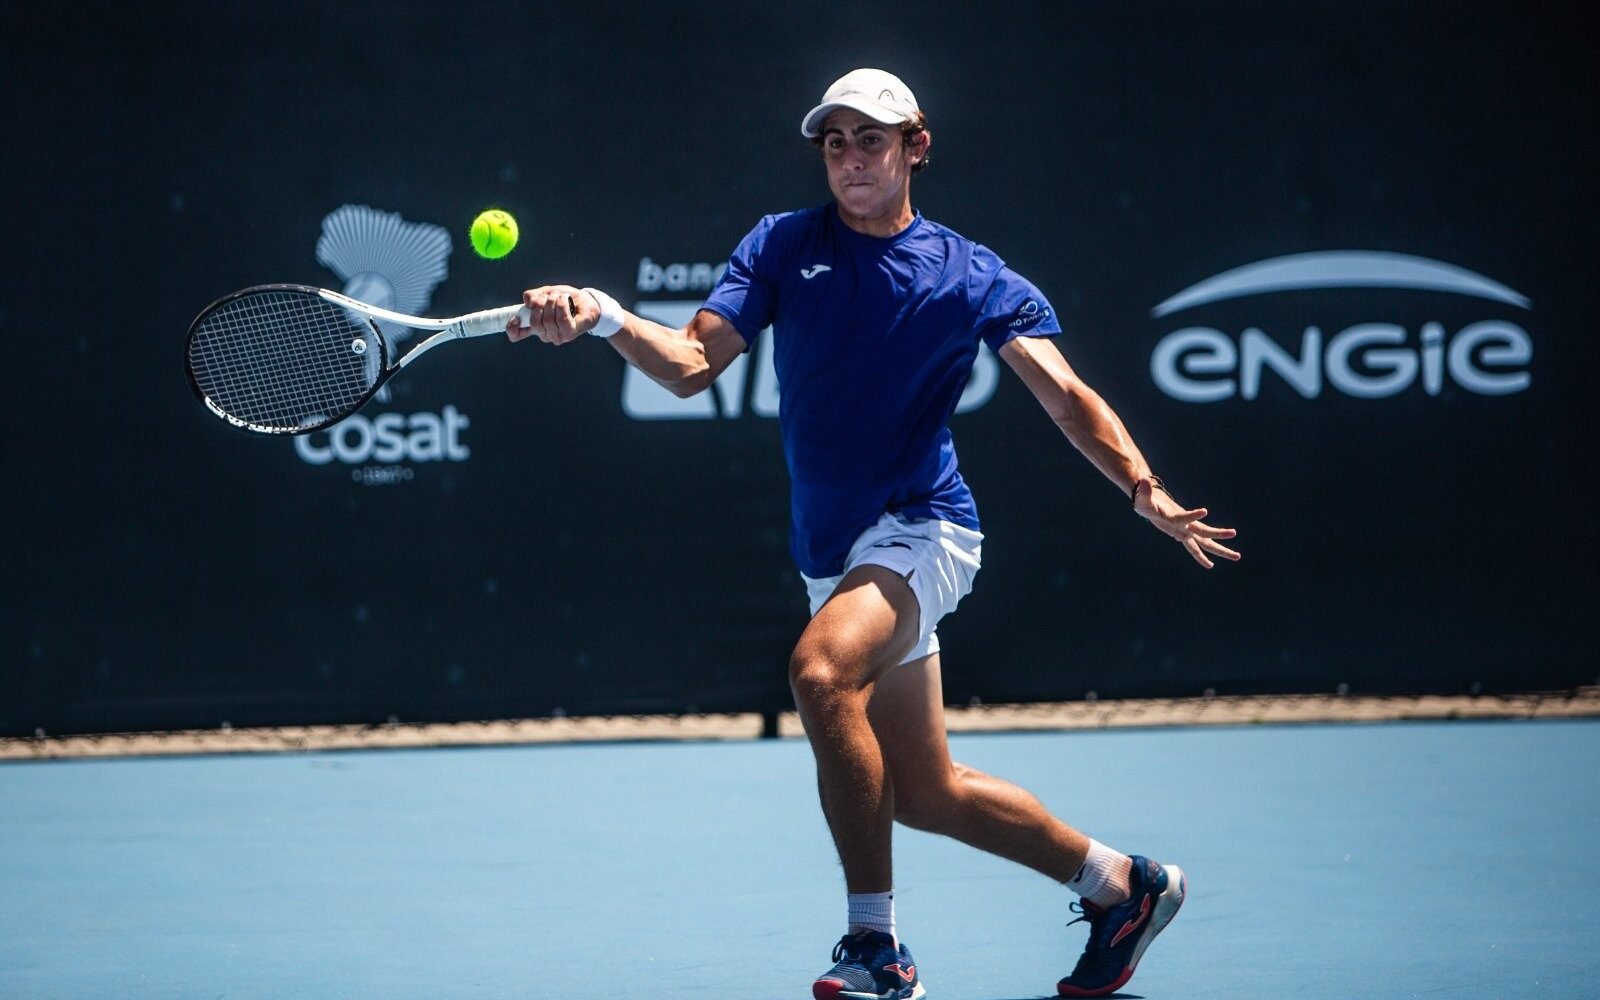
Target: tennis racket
[292, 359]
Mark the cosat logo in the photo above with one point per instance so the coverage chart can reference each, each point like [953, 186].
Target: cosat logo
[643, 399]
[1368, 360]
[387, 262]
[388, 438]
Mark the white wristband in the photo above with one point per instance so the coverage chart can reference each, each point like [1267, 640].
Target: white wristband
[611, 314]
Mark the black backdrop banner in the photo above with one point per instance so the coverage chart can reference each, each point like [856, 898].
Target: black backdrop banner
[1332, 262]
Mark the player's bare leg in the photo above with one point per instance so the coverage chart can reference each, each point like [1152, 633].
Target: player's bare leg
[867, 626]
[1127, 901]
[933, 793]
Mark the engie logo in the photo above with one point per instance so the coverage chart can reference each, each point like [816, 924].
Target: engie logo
[643, 399]
[388, 262]
[1369, 359]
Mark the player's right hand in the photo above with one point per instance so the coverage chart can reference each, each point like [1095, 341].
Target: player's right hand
[556, 314]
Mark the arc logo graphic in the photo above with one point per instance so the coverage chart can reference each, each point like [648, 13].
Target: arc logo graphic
[389, 262]
[1369, 359]
[643, 399]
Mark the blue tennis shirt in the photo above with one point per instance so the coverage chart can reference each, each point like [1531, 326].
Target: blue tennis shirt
[874, 339]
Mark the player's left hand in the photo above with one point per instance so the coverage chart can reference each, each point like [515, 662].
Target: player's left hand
[1157, 506]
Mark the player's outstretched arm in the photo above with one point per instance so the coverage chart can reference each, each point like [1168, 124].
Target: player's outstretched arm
[1096, 431]
[684, 361]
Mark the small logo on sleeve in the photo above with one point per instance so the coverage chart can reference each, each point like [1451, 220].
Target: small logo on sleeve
[815, 269]
[1030, 313]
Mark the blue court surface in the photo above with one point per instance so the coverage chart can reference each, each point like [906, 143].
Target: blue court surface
[1354, 861]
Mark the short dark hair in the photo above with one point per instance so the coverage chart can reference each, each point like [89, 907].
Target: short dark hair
[912, 127]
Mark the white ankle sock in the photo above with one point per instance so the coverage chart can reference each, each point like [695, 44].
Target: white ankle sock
[873, 911]
[1103, 879]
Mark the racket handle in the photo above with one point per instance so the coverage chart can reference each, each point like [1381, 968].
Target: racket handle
[489, 321]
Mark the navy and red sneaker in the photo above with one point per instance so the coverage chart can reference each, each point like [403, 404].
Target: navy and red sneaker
[867, 966]
[1118, 935]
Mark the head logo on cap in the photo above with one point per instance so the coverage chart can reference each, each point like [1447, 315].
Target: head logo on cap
[893, 104]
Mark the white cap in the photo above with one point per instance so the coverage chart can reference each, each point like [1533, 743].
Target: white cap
[878, 95]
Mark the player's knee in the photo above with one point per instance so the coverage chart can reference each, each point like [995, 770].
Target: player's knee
[815, 677]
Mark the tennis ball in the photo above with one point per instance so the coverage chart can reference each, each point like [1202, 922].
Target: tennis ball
[494, 233]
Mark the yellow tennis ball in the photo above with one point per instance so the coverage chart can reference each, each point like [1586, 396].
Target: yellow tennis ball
[494, 233]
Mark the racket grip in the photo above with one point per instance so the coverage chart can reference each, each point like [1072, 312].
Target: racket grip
[489, 321]
[480, 324]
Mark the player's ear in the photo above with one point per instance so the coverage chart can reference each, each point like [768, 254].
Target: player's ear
[917, 148]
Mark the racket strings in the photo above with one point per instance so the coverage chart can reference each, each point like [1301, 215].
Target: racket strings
[284, 360]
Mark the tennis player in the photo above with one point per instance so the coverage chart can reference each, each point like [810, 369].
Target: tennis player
[877, 315]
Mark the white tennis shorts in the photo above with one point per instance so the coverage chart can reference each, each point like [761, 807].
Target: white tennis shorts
[939, 559]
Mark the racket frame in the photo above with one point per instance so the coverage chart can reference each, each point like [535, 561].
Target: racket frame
[477, 324]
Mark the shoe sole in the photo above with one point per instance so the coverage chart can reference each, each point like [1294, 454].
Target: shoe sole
[1167, 905]
[825, 989]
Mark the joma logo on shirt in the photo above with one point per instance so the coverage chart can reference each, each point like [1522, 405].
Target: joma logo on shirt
[815, 269]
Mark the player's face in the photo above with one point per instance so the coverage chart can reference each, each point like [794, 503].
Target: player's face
[869, 166]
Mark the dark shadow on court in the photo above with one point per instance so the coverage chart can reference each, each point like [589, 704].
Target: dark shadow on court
[1047, 996]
